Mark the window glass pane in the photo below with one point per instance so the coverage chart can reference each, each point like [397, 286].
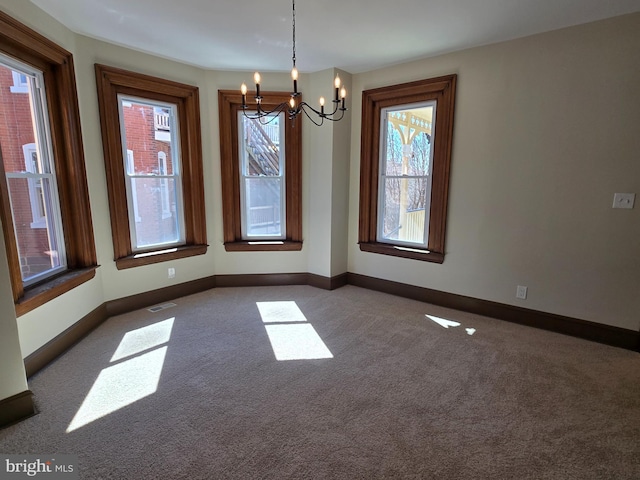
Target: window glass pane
[404, 210]
[420, 159]
[26, 153]
[261, 146]
[154, 224]
[393, 151]
[262, 177]
[405, 180]
[152, 167]
[263, 200]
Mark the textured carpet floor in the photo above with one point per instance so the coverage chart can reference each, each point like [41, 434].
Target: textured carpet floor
[402, 397]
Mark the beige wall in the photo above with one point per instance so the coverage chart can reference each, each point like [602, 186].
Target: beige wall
[12, 375]
[41, 325]
[545, 133]
[546, 130]
[246, 262]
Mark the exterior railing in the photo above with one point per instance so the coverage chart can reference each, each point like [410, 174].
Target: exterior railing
[161, 121]
[413, 229]
[264, 216]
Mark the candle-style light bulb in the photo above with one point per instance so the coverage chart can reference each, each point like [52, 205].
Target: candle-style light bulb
[294, 75]
[337, 81]
[292, 103]
[243, 90]
[256, 78]
[343, 93]
[321, 105]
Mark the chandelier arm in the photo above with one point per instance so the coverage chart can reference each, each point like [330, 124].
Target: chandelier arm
[335, 109]
[317, 112]
[263, 113]
[328, 116]
[305, 104]
[331, 119]
[292, 112]
[304, 110]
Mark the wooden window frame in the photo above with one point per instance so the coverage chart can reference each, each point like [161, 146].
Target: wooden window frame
[229, 104]
[441, 89]
[23, 43]
[111, 82]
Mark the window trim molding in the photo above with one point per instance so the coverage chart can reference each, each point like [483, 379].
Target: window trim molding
[112, 81]
[442, 89]
[56, 63]
[229, 104]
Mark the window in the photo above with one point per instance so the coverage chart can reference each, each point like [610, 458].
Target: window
[44, 203]
[151, 225]
[20, 83]
[262, 173]
[161, 123]
[31, 182]
[261, 176]
[407, 133]
[405, 174]
[153, 153]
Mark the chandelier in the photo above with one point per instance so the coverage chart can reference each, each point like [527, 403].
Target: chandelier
[294, 107]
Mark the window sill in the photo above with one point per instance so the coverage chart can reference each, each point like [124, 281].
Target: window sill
[403, 252]
[263, 246]
[40, 294]
[164, 255]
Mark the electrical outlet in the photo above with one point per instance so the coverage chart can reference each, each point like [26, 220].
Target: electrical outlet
[623, 200]
[521, 292]
[172, 272]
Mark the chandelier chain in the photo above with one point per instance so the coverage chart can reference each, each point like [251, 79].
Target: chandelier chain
[294, 32]
[295, 106]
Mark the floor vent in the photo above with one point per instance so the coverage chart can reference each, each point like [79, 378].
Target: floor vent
[157, 308]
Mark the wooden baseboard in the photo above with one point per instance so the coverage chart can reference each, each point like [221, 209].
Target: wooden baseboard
[278, 279]
[65, 340]
[153, 297]
[615, 336]
[261, 279]
[16, 408]
[326, 283]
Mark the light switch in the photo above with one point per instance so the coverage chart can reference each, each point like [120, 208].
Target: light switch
[624, 200]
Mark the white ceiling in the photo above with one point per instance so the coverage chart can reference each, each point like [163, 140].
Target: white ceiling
[355, 36]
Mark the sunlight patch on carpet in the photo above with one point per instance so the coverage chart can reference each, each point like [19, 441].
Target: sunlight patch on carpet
[291, 336]
[280, 312]
[297, 342]
[128, 381]
[443, 322]
[119, 386]
[141, 339]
